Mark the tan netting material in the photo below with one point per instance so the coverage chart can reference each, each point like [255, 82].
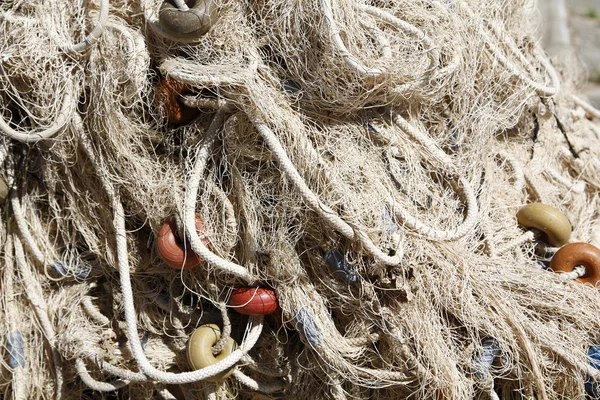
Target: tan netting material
[399, 136]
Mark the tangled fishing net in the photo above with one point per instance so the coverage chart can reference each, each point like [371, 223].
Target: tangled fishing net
[361, 163]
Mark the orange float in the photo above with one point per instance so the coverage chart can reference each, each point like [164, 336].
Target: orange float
[574, 254]
[166, 98]
[254, 301]
[172, 249]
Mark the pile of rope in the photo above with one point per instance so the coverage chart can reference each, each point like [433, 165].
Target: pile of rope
[294, 199]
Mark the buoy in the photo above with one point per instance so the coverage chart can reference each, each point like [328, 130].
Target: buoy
[254, 301]
[199, 350]
[166, 98]
[188, 24]
[574, 254]
[553, 223]
[172, 250]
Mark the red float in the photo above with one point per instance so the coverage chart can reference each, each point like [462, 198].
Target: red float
[254, 301]
[171, 247]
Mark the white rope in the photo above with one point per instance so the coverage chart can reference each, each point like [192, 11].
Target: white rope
[191, 194]
[207, 75]
[500, 33]
[123, 373]
[229, 214]
[164, 393]
[534, 185]
[225, 332]
[384, 44]
[34, 292]
[24, 230]
[96, 163]
[424, 140]
[386, 17]
[138, 59]
[93, 383]
[457, 55]
[258, 386]
[472, 209]
[338, 43]
[3, 154]
[540, 246]
[524, 238]
[593, 111]
[62, 118]
[397, 23]
[519, 175]
[541, 89]
[94, 35]
[93, 311]
[492, 393]
[203, 102]
[254, 323]
[181, 5]
[324, 211]
[575, 186]
[577, 272]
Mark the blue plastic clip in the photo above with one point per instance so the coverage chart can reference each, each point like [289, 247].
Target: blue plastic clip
[16, 353]
[306, 324]
[484, 360]
[340, 268]
[67, 269]
[592, 387]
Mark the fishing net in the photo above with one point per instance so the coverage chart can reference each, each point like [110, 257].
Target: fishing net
[361, 163]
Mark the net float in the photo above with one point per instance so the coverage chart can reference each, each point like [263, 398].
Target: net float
[547, 219]
[190, 24]
[574, 254]
[254, 301]
[173, 251]
[199, 350]
[166, 99]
